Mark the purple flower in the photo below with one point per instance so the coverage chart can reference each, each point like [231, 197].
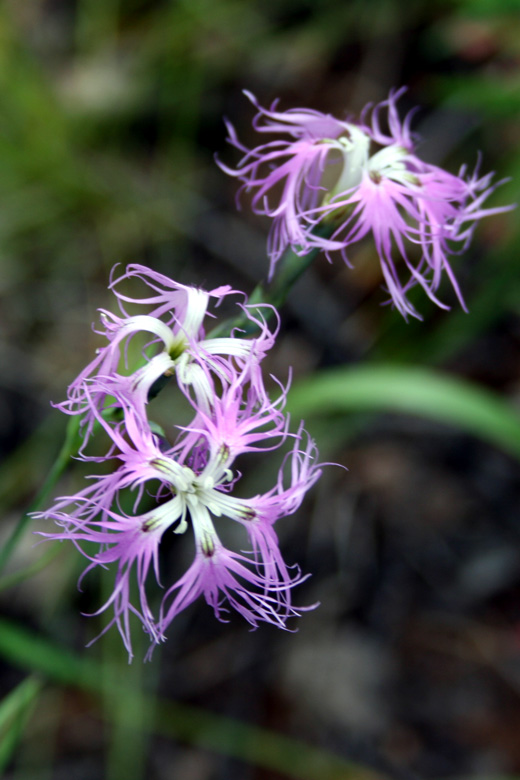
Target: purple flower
[326, 174]
[294, 167]
[175, 344]
[227, 578]
[258, 585]
[187, 485]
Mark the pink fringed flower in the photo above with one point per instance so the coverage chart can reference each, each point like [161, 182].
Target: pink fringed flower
[328, 183]
[175, 344]
[188, 484]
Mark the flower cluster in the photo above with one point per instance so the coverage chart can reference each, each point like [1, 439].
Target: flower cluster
[189, 483]
[328, 183]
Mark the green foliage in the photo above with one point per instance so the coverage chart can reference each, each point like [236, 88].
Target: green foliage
[15, 709]
[191, 724]
[409, 390]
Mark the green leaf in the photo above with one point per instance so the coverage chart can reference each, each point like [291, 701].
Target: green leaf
[419, 391]
[190, 724]
[14, 711]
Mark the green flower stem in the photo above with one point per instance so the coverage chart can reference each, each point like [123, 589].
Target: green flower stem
[288, 270]
[10, 580]
[69, 448]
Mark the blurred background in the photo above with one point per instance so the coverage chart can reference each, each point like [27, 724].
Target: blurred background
[110, 116]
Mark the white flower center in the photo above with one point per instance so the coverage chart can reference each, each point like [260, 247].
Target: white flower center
[354, 150]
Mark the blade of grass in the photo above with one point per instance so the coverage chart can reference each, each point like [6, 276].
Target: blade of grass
[187, 723]
[419, 391]
[14, 712]
[123, 687]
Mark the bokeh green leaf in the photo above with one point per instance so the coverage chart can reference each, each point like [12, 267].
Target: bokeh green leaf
[410, 390]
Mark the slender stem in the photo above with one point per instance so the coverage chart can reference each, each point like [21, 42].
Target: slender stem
[70, 447]
[288, 270]
[9, 580]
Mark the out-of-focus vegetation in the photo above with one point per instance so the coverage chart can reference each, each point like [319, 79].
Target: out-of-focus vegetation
[110, 116]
